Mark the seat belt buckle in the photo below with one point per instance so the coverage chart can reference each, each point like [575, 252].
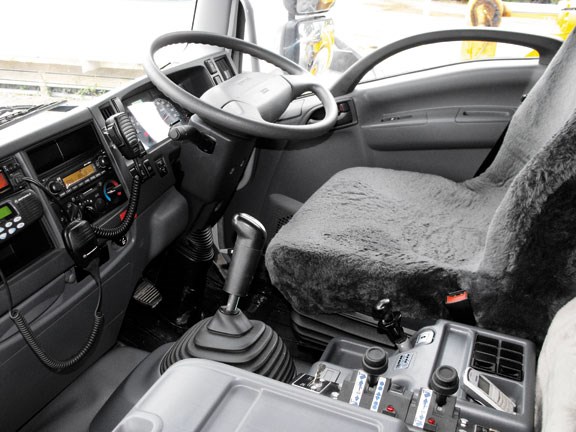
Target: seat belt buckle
[460, 308]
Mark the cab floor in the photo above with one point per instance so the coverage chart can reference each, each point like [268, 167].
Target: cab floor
[74, 408]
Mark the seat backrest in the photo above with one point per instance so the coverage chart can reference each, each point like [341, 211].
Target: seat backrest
[530, 249]
[543, 113]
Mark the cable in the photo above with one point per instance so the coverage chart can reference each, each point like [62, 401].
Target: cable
[122, 229]
[26, 331]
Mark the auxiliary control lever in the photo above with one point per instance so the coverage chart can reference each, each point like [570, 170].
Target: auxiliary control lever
[389, 322]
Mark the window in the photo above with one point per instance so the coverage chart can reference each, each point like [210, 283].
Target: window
[76, 49]
[328, 42]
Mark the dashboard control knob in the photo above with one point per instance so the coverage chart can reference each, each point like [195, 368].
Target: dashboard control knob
[99, 205]
[55, 187]
[102, 162]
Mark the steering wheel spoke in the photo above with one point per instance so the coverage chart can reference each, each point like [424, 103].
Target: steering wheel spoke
[249, 103]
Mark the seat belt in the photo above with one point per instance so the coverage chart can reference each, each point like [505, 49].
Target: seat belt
[493, 152]
[460, 308]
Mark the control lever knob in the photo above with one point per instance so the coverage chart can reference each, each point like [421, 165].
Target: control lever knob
[374, 363]
[250, 240]
[181, 132]
[382, 309]
[445, 382]
[390, 322]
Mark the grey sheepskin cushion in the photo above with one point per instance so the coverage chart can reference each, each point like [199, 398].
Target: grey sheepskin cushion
[507, 236]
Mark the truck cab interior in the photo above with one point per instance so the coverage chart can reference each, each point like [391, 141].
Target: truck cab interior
[220, 245]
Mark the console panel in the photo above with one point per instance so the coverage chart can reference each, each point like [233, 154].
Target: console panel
[508, 362]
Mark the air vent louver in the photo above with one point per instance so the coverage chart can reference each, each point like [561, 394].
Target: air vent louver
[107, 111]
[224, 67]
[498, 357]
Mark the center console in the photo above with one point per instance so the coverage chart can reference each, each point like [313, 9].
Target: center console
[416, 378]
[356, 387]
[447, 377]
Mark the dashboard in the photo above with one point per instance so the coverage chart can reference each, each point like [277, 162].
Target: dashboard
[58, 164]
[152, 115]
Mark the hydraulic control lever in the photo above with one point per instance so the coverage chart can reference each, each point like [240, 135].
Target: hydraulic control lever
[445, 382]
[374, 363]
[247, 251]
[389, 322]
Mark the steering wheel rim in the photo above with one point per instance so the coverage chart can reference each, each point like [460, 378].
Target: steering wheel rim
[231, 121]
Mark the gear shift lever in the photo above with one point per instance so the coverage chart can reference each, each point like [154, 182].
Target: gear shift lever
[229, 336]
[389, 322]
[247, 251]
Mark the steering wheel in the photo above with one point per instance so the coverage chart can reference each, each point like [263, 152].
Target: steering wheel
[248, 103]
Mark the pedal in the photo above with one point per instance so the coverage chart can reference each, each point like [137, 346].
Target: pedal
[147, 294]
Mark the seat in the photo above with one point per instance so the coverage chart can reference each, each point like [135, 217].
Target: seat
[507, 236]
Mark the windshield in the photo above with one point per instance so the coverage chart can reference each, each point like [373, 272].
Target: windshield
[328, 41]
[78, 49]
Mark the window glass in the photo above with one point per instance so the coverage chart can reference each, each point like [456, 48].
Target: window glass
[328, 42]
[78, 49]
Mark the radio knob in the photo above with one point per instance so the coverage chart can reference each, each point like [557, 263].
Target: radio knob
[55, 187]
[102, 161]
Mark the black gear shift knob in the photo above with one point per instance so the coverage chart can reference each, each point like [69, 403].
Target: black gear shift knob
[247, 251]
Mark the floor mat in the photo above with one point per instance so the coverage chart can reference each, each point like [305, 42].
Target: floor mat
[74, 409]
[148, 329]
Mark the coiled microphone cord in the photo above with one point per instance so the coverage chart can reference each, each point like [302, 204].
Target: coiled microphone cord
[26, 331]
[122, 229]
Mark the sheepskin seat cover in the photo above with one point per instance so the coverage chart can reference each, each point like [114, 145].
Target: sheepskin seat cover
[507, 236]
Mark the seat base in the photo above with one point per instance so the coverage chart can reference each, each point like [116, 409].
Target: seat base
[316, 331]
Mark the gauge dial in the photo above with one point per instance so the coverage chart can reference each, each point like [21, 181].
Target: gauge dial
[168, 112]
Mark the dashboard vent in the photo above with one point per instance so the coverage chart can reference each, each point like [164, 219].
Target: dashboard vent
[107, 111]
[498, 357]
[224, 67]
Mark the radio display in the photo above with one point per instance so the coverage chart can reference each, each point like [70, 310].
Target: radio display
[5, 211]
[79, 175]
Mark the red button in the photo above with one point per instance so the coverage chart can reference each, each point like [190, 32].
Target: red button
[390, 409]
[431, 421]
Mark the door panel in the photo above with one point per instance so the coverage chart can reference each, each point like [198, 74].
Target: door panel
[443, 121]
